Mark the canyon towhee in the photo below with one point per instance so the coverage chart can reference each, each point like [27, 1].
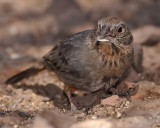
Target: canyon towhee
[90, 60]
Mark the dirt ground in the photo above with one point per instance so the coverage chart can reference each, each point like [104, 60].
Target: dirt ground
[29, 29]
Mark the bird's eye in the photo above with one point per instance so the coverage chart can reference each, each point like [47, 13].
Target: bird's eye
[120, 29]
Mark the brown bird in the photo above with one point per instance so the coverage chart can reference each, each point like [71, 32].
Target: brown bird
[90, 60]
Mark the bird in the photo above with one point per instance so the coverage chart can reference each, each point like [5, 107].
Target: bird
[90, 60]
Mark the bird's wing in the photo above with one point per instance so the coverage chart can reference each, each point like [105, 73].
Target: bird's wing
[66, 56]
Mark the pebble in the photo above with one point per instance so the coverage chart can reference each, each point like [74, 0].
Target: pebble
[94, 117]
[15, 126]
[118, 115]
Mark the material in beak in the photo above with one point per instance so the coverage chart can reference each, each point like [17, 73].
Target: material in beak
[103, 40]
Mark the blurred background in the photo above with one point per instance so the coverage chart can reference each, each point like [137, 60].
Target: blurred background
[29, 28]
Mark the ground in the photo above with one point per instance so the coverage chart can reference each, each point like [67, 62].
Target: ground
[30, 29]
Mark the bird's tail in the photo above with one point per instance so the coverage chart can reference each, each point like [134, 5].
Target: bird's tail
[26, 73]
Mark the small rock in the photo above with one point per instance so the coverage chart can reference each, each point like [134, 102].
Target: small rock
[113, 101]
[93, 117]
[118, 115]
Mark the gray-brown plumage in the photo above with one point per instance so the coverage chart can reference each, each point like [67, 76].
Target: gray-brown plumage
[90, 60]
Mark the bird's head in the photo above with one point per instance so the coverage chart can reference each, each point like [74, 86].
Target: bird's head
[112, 30]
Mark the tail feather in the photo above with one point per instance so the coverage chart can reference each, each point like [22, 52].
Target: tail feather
[24, 74]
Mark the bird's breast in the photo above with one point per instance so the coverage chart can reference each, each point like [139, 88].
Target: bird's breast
[115, 61]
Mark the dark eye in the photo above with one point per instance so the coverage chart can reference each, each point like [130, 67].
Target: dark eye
[120, 29]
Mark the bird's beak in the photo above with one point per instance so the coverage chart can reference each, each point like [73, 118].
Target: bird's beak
[106, 35]
[104, 30]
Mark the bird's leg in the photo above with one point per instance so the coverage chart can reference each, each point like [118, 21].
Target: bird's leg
[73, 107]
[68, 90]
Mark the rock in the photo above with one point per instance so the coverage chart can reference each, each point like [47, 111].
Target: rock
[16, 117]
[145, 102]
[147, 90]
[113, 101]
[93, 124]
[131, 122]
[52, 119]
[147, 35]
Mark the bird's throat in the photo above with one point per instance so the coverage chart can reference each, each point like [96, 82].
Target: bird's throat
[107, 49]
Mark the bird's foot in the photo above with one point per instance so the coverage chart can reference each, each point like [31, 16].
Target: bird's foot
[73, 107]
[75, 110]
[132, 89]
[115, 91]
